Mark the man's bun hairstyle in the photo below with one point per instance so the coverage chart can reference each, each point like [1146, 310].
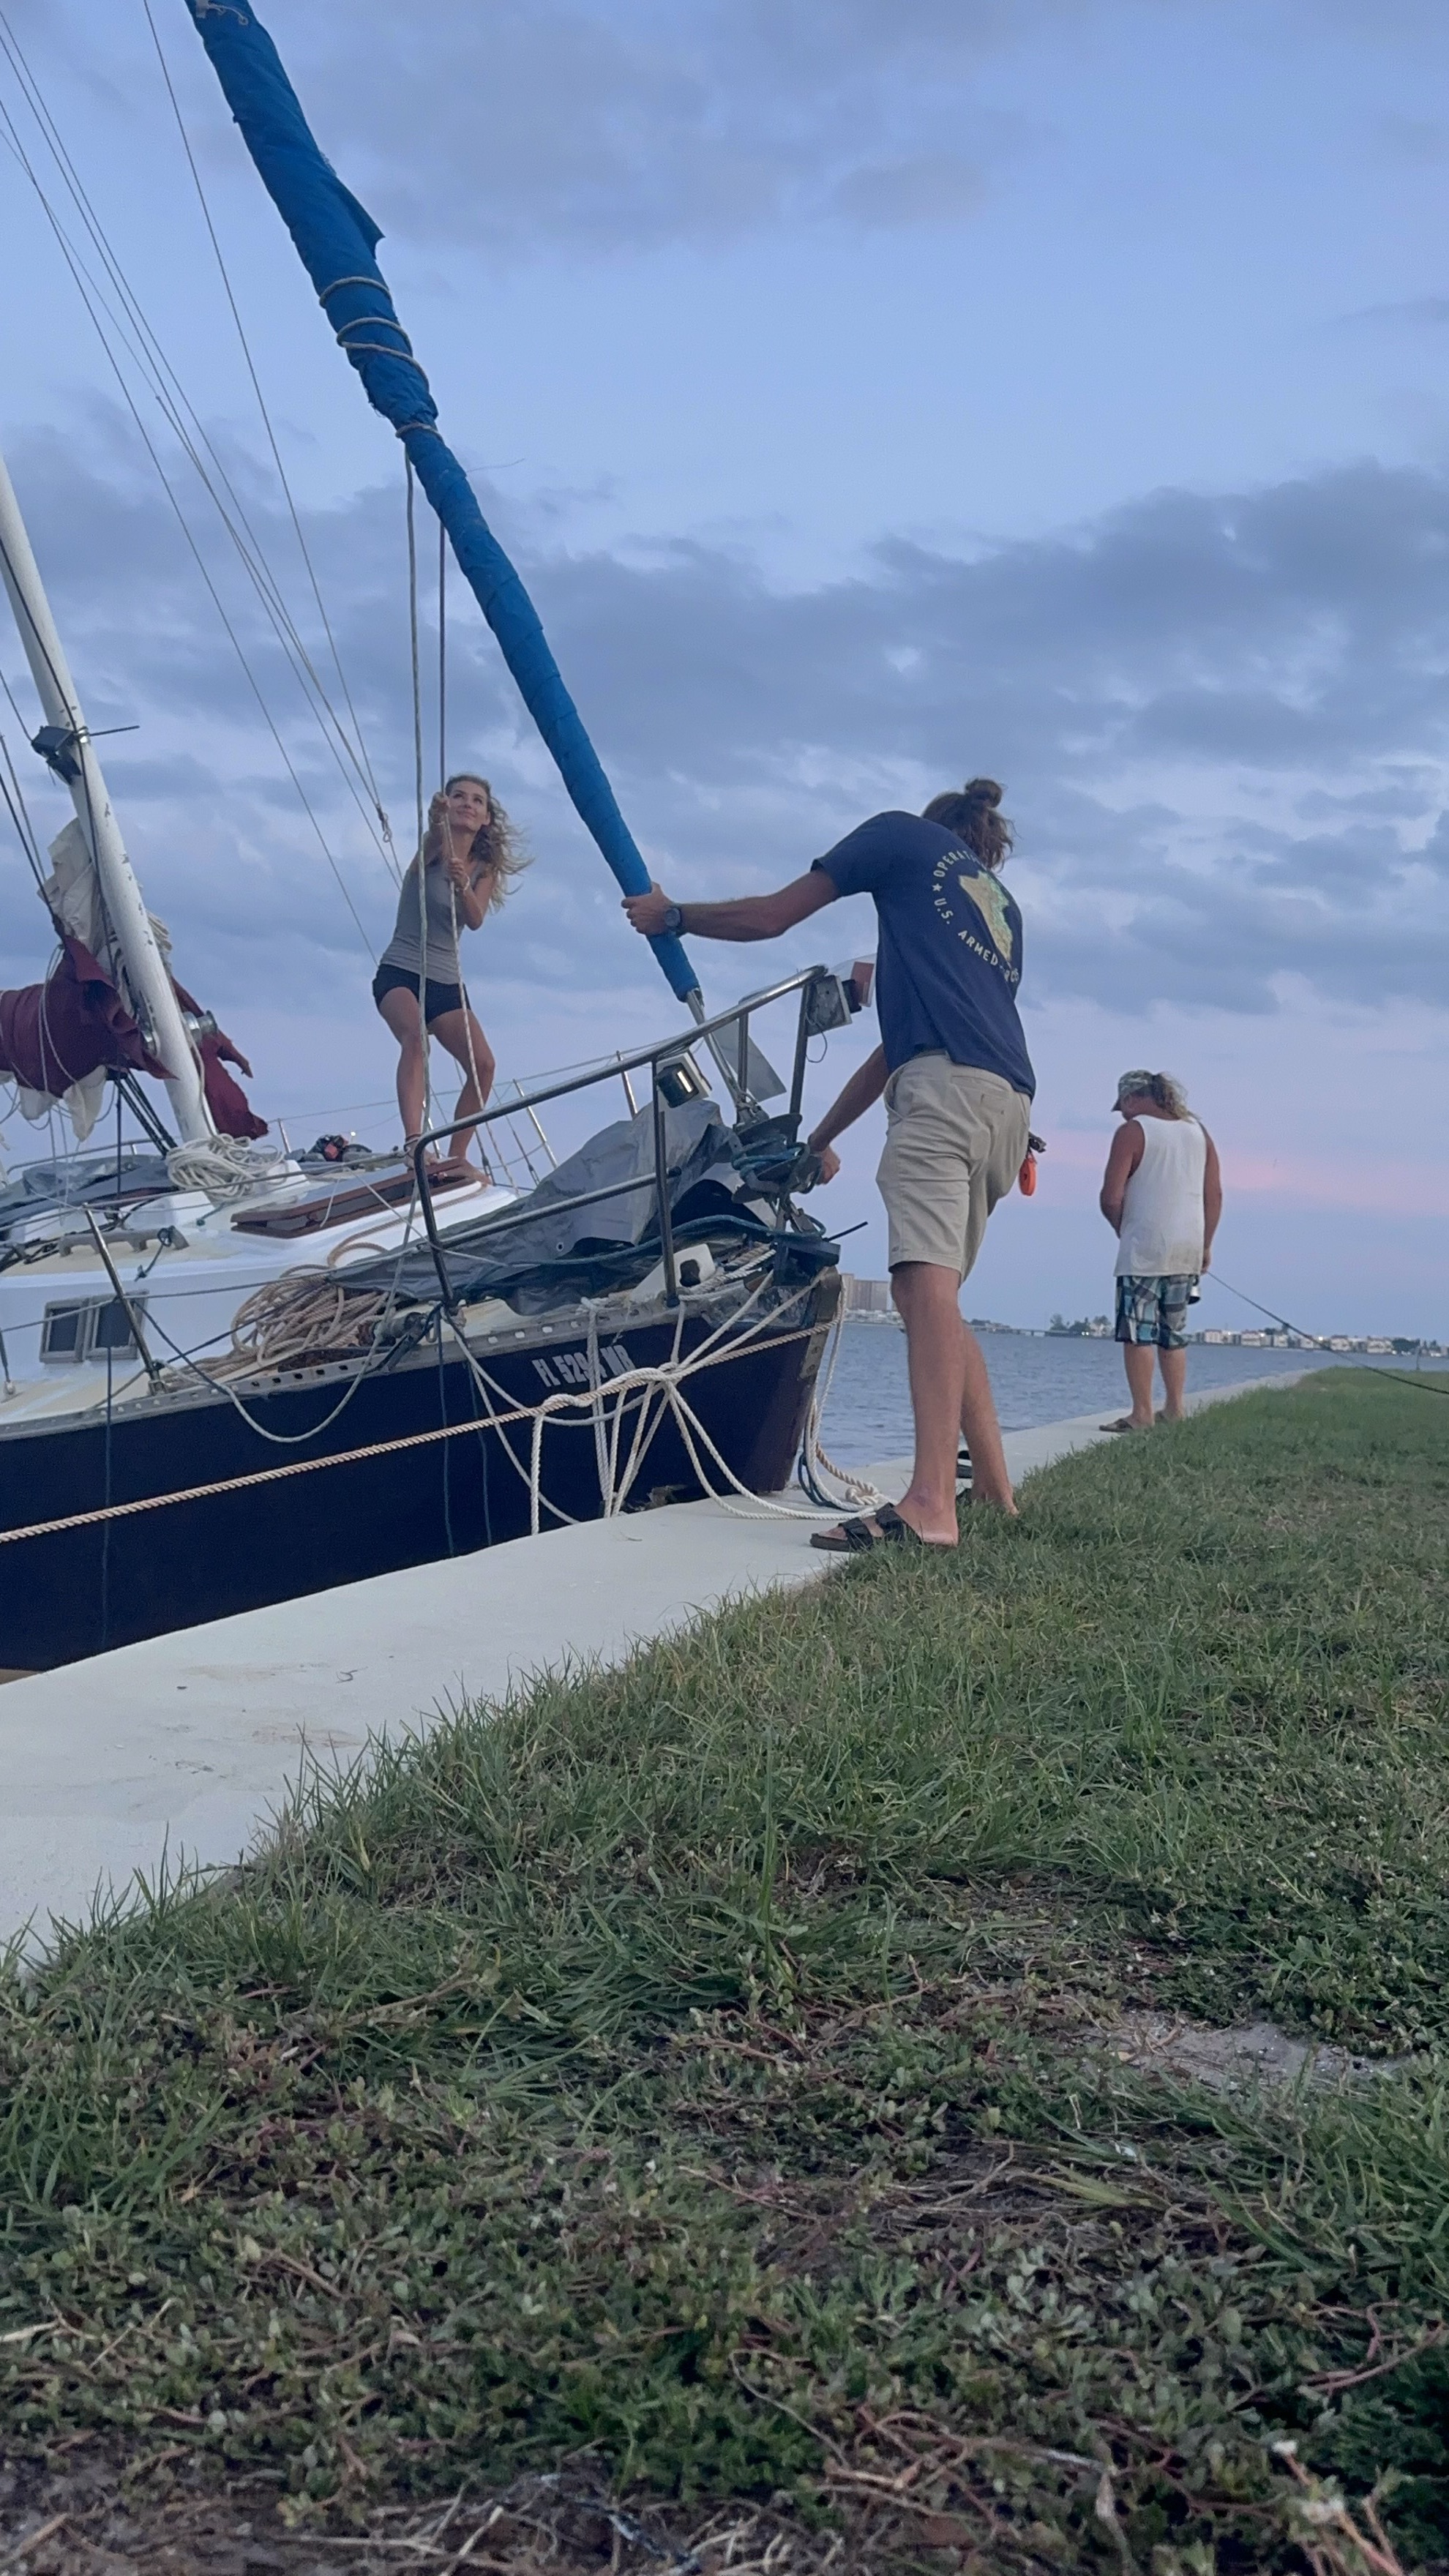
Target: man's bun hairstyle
[970, 812]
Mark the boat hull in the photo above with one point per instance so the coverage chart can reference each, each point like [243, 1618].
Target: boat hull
[379, 1488]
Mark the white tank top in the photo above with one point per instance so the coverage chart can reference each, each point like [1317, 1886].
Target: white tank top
[1162, 1210]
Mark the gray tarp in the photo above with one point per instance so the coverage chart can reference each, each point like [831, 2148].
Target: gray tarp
[512, 1254]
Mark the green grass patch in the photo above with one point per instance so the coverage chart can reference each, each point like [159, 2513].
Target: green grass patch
[697, 2065]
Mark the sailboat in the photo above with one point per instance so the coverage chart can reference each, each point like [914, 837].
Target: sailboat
[195, 1422]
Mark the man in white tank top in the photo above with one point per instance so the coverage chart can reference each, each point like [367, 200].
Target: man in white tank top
[1162, 1195]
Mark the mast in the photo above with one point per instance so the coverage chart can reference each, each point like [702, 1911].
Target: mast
[73, 758]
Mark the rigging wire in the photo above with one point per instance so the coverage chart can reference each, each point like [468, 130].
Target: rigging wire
[87, 293]
[15, 807]
[417, 673]
[47, 1046]
[519, 1142]
[360, 754]
[421, 860]
[146, 352]
[134, 334]
[15, 797]
[154, 363]
[442, 655]
[83, 288]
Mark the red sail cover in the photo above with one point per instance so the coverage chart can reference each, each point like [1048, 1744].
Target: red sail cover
[55, 1033]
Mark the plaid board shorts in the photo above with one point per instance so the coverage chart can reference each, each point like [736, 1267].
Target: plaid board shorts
[1155, 1309]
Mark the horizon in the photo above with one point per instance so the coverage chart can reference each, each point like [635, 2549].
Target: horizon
[1215, 1336]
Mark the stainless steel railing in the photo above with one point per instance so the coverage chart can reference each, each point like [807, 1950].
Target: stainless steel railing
[822, 1006]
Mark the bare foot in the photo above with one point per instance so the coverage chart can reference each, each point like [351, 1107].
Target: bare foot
[929, 1530]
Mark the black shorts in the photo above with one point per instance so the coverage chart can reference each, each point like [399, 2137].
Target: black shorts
[438, 999]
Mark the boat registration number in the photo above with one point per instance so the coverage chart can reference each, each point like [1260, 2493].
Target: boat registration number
[571, 1368]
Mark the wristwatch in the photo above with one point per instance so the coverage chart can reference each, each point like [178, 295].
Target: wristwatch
[673, 921]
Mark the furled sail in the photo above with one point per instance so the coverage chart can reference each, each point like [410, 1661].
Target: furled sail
[59, 1040]
[337, 238]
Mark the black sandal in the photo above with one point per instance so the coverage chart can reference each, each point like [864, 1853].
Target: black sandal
[857, 1538]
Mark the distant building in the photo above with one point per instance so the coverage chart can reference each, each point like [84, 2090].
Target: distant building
[865, 1296]
[1375, 1345]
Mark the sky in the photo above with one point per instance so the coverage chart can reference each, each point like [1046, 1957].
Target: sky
[872, 393]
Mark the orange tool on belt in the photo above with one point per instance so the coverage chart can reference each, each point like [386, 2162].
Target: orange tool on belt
[1026, 1177]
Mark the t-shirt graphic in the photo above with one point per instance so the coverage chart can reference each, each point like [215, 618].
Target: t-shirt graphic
[950, 945]
[988, 897]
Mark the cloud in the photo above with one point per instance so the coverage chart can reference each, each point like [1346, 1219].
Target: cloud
[608, 124]
[925, 188]
[1421, 141]
[1417, 312]
[1221, 719]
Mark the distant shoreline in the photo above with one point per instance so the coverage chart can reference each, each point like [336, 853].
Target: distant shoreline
[868, 1301]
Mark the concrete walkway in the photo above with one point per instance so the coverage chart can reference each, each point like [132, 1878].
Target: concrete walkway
[183, 1746]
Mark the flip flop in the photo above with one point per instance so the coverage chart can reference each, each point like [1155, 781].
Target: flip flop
[1125, 1424]
[857, 1538]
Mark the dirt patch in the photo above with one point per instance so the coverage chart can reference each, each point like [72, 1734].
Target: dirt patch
[1256, 2056]
[92, 2522]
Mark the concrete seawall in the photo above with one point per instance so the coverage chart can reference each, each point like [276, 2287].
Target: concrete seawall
[179, 1749]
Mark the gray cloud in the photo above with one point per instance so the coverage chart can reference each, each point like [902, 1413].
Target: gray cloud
[1417, 312]
[1421, 141]
[609, 123]
[1221, 719]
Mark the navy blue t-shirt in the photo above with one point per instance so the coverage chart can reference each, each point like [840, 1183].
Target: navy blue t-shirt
[950, 945]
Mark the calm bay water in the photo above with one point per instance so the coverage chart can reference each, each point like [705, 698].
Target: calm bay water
[1035, 1379]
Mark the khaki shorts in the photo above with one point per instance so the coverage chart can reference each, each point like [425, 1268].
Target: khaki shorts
[955, 1143]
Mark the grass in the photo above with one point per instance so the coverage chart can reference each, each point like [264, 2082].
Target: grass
[699, 2066]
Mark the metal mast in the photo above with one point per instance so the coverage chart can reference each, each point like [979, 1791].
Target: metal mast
[150, 992]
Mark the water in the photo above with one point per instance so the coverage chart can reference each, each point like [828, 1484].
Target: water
[1046, 1378]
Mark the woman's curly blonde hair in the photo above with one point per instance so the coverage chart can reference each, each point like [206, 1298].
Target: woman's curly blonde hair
[498, 844]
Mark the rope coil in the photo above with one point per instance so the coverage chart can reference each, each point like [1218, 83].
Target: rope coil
[307, 1314]
[225, 1167]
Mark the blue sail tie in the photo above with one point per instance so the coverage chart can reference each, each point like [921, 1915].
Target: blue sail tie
[336, 239]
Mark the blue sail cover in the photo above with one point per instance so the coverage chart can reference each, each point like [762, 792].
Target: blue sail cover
[337, 238]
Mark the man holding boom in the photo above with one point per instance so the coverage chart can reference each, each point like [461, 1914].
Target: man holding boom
[958, 1088]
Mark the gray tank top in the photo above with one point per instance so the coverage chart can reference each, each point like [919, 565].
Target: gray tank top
[404, 949]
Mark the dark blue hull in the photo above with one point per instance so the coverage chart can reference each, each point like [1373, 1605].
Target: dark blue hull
[123, 1576]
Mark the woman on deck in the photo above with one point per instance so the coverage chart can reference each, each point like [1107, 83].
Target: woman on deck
[470, 854]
